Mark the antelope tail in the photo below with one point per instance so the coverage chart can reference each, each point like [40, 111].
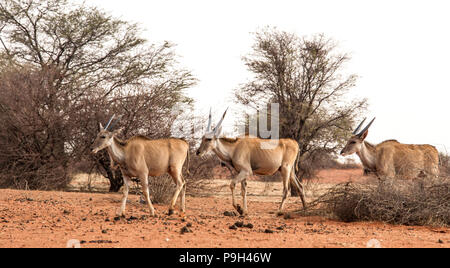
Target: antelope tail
[188, 162]
[296, 182]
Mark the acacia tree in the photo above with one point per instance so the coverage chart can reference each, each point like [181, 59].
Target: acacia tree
[93, 65]
[305, 77]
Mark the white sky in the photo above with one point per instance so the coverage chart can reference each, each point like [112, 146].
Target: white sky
[400, 50]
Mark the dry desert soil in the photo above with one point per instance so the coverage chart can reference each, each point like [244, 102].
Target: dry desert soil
[52, 219]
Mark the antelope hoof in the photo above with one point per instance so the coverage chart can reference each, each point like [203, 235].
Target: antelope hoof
[241, 211]
[120, 214]
[280, 213]
[152, 214]
[170, 213]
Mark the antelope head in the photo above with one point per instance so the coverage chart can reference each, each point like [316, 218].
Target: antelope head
[209, 140]
[105, 137]
[356, 140]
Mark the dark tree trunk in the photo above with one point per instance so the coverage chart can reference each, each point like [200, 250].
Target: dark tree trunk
[116, 181]
[115, 177]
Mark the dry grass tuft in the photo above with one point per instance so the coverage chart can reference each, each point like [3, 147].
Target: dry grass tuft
[161, 189]
[407, 202]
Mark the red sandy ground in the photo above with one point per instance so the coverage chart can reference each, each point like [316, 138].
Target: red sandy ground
[51, 219]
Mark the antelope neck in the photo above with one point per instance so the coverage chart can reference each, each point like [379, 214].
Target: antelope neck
[116, 151]
[223, 150]
[367, 155]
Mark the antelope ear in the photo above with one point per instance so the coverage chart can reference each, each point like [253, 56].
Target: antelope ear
[100, 127]
[364, 135]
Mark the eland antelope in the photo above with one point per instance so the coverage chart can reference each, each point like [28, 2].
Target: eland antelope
[251, 155]
[391, 158]
[140, 157]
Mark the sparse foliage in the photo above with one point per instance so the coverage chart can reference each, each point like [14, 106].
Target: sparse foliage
[32, 137]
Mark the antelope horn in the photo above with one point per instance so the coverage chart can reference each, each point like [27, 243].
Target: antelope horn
[360, 125]
[115, 122]
[109, 123]
[366, 128]
[208, 129]
[220, 122]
